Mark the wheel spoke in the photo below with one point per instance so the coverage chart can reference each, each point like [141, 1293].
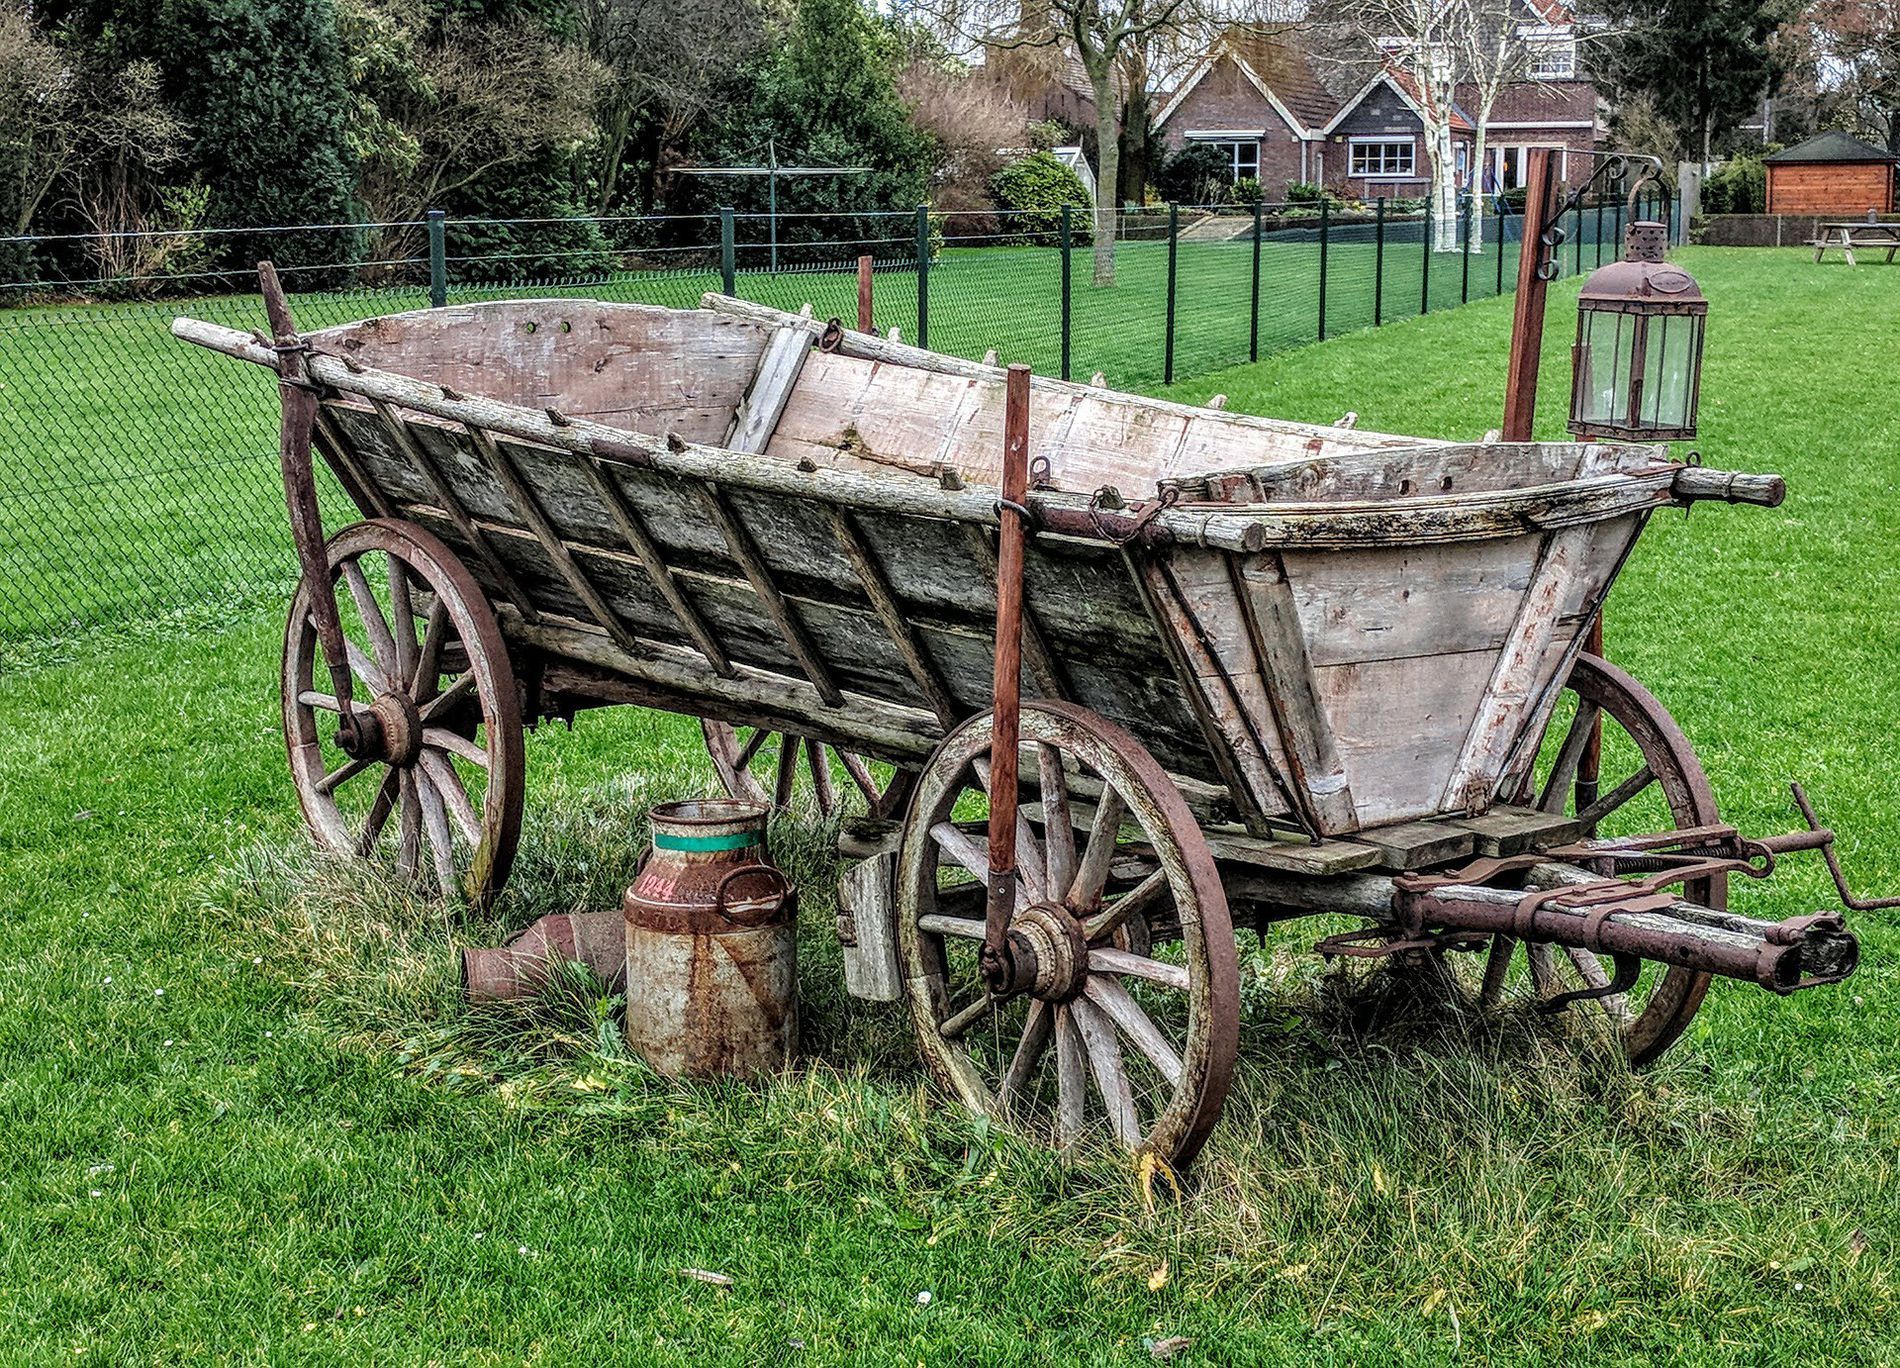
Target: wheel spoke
[446, 782]
[422, 679]
[402, 612]
[1563, 773]
[1071, 1080]
[336, 778]
[972, 852]
[463, 686]
[1110, 961]
[966, 928]
[366, 669]
[1085, 894]
[1058, 823]
[1105, 1061]
[409, 843]
[1136, 901]
[1115, 1000]
[817, 756]
[1543, 968]
[442, 739]
[1037, 1024]
[379, 812]
[1616, 798]
[861, 776]
[751, 747]
[324, 702]
[959, 1022]
[435, 825]
[374, 624]
[1497, 964]
[787, 771]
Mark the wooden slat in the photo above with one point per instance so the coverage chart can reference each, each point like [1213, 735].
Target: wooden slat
[1318, 774]
[634, 529]
[884, 603]
[765, 400]
[1290, 852]
[797, 640]
[1051, 680]
[451, 505]
[536, 519]
[350, 474]
[1416, 845]
[1512, 830]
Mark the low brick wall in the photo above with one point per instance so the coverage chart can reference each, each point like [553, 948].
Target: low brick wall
[1764, 230]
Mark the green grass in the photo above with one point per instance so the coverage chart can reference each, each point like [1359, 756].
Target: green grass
[137, 474]
[303, 1149]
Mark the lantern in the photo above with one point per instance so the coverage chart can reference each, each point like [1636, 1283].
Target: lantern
[1638, 358]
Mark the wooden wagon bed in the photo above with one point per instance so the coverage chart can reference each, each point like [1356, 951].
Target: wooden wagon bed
[700, 510]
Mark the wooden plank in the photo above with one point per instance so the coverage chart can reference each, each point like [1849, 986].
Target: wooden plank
[1287, 851]
[746, 553]
[362, 490]
[537, 520]
[1508, 830]
[877, 589]
[1416, 845]
[633, 528]
[778, 375]
[867, 912]
[451, 505]
[1045, 669]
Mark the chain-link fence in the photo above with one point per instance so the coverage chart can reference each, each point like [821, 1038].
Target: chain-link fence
[138, 475]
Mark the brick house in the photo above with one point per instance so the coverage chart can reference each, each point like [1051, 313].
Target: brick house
[1278, 116]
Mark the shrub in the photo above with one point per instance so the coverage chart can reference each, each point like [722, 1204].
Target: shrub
[1199, 173]
[1035, 189]
[1740, 187]
[1310, 196]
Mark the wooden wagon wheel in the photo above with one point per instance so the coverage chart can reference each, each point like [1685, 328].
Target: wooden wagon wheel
[743, 757]
[445, 757]
[1652, 782]
[1131, 1031]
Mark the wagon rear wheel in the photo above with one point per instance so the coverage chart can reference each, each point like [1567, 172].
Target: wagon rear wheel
[438, 781]
[1131, 1031]
[1650, 781]
[758, 765]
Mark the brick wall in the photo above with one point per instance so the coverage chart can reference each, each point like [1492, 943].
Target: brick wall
[1226, 99]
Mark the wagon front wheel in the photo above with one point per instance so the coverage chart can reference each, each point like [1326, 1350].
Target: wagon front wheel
[435, 772]
[1130, 1031]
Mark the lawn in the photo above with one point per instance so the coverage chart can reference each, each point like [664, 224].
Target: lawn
[137, 474]
[247, 1120]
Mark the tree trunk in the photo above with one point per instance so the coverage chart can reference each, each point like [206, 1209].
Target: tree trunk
[618, 124]
[1133, 145]
[1444, 191]
[1107, 175]
[1474, 185]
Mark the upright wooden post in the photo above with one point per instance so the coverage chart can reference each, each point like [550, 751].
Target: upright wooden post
[438, 259]
[1174, 238]
[1006, 684]
[1068, 238]
[1253, 310]
[1378, 263]
[1323, 237]
[728, 255]
[1527, 319]
[923, 275]
[864, 294]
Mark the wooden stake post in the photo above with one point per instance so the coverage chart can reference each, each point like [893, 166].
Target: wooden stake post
[1527, 320]
[1006, 684]
[864, 295]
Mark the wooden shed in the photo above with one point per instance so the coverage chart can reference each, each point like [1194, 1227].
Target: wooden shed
[1831, 173]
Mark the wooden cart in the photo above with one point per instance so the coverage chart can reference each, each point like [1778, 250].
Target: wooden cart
[1272, 670]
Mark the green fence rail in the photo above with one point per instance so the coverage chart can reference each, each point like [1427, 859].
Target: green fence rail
[138, 475]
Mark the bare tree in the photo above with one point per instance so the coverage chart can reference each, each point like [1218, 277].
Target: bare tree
[1106, 38]
[972, 124]
[41, 118]
[663, 61]
[1417, 42]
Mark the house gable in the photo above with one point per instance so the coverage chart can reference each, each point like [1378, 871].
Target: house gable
[1225, 92]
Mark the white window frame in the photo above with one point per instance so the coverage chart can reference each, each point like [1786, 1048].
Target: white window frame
[1357, 146]
[1495, 154]
[1233, 141]
[1553, 58]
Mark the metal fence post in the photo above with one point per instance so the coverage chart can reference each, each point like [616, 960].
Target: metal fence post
[1067, 240]
[1378, 262]
[1498, 236]
[1617, 231]
[1253, 313]
[1464, 265]
[1324, 220]
[727, 253]
[1174, 236]
[1425, 266]
[1576, 255]
[923, 275]
[1599, 230]
[438, 259]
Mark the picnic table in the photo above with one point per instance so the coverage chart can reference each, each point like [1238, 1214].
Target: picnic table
[1848, 236]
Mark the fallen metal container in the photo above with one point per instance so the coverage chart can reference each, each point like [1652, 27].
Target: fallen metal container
[711, 945]
[519, 968]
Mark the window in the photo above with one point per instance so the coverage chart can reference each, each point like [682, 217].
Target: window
[1509, 165]
[1380, 159]
[1242, 157]
[1554, 60]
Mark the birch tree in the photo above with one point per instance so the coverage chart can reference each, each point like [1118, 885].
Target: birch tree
[1107, 38]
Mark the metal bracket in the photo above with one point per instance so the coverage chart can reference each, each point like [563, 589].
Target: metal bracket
[1628, 969]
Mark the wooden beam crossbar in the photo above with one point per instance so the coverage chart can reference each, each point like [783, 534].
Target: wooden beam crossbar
[536, 519]
[878, 590]
[633, 528]
[458, 514]
[740, 544]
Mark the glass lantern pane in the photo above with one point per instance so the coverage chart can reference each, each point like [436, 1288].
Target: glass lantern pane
[1667, 370]
[1604, 369]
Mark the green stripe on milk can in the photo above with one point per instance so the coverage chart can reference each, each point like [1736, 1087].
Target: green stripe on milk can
[736, 841]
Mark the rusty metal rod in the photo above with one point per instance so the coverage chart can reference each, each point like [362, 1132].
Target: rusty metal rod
[1006, 684]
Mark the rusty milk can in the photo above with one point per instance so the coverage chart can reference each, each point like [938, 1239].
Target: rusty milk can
[712, 950]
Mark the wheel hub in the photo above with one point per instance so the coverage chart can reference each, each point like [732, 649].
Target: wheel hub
[1060, 955]
[390, 730]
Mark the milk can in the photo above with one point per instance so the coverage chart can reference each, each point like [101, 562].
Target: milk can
[712, 951]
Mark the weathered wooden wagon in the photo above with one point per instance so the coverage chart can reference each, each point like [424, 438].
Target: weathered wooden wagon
[1272, 670]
